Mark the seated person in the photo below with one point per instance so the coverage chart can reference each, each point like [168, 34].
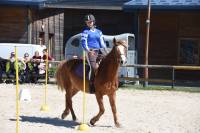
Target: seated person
[11, 69]
[36, 59]
[1, 73]
[44, 57]
[10, 65]
[1, 70]
[28, 67]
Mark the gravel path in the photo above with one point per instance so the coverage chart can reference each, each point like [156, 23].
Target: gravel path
[139, 111]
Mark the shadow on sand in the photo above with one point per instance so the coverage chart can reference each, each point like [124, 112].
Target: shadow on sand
[48, 120]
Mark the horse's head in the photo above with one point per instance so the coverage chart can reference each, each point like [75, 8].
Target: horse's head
[121, 48]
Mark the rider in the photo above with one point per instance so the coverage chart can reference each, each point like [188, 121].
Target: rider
[92, 40]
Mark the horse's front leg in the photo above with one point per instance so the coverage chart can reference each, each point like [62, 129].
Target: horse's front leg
[99, 98]
[112, 99]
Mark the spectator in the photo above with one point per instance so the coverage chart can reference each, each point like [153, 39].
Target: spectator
[28, 68]
[1, 69]
[36, 59]
[45, 55]
[10, 65]
[11, 69]
[1, 73]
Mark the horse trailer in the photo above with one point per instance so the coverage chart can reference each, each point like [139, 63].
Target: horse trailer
[73, 49]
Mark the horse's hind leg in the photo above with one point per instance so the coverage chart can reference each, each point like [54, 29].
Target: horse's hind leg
[101, 109]
[66, 111]
[112, 99]
[68, 105]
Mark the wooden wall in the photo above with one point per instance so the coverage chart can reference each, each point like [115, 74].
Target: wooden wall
[166, 28]
[23, 25]
[53, 22]
[163, 38]
[189, 23]
[13, 25]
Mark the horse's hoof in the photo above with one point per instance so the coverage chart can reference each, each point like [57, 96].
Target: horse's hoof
[63, 116]
[117, 125]
[92, 122]
[74, 119]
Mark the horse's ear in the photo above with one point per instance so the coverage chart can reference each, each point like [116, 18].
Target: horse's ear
[114, 40]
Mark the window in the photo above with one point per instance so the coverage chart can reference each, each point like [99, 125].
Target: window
[189, 52]
[131, 43]
[42, 38]
[75, 42]
[51, 45]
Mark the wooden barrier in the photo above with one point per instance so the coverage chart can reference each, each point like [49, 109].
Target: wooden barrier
[172, 67]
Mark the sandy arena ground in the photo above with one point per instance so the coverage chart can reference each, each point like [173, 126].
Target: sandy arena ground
[139, 112]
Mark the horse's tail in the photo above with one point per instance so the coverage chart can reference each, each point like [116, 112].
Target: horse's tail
[61, 75]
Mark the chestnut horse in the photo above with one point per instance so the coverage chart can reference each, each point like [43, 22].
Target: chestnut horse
[106, 80]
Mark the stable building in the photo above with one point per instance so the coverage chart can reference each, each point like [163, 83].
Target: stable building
[174, 35]
[174, 27]
[27, 21]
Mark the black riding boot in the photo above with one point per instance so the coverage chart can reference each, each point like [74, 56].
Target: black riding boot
[91, 86]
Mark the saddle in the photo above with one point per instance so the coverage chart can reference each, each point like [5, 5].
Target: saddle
[79, 70]
[79, 73]
[88, 72]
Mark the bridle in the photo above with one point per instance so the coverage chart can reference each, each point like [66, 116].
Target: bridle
[123, 43]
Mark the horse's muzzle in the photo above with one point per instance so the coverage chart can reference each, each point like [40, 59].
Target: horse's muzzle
[123, 60]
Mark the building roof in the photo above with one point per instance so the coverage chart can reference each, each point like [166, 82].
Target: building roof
[73, 4]
[22, 2]
[127, 5]
[87, 4]
[162, 5]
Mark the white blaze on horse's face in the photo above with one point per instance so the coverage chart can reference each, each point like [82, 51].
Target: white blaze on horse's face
[122, 50]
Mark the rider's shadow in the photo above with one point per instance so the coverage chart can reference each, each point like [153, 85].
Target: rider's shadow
[50, 121]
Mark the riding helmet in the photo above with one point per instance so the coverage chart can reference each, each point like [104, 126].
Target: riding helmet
[12, 53]
[89, 17]
[26, 55]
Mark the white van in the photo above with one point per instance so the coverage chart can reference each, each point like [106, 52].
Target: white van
[7, 48]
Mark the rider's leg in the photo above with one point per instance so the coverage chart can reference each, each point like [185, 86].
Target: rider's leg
[93, 65]
[92, 60]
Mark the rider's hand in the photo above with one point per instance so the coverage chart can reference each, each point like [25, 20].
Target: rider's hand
[91, 52]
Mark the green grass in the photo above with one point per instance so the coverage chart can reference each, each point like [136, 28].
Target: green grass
[161, 88]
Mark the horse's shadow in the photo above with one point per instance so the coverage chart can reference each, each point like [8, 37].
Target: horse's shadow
[48, 120]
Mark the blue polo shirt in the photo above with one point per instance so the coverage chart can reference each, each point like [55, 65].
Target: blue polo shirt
[92, 39]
